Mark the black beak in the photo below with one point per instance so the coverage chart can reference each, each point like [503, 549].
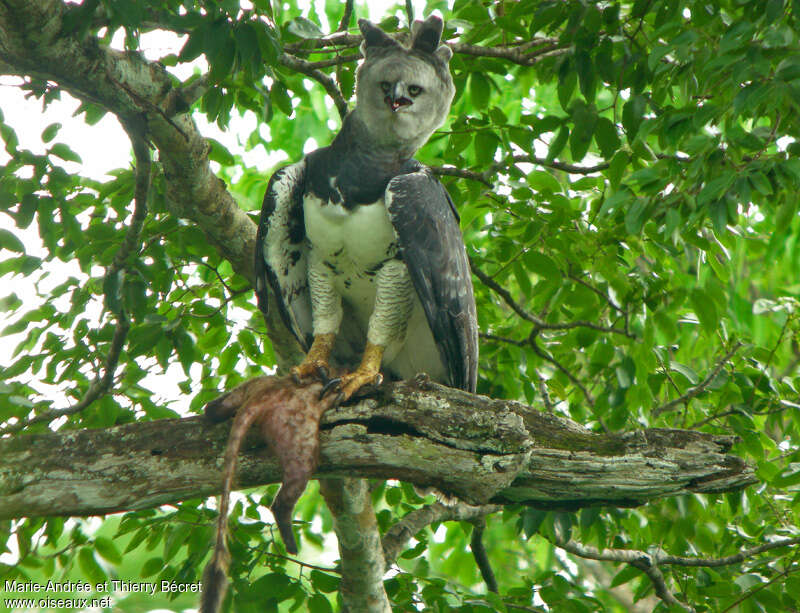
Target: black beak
[394, 100]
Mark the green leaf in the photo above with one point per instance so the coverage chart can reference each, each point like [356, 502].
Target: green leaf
[11, 242]
[584, 118]
[49, 133]
[195, 45]
[219, 153]
[280, 96]
[632, 114]
[112, 290]
[626, 574]
[303, 28]
[636, 215]
[319, 604]
[151, 567]
[714, 189]
[705, 309]
[106, 548]
[586, 74]
[90, 569]
[686, 371]
[616, 168]
[760, 183]
[558, 143]
[324, 582]
[567, 80]
[221, 56]
[486, 144]
[783, 218]
[542, 265]
[65, 153]
[247, 42]
[542, 181]
[531, 520]
[479, 90]
[606, 137]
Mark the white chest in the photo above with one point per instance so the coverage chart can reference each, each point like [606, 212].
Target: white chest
[360, 238]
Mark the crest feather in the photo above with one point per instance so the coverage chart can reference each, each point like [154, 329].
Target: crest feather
[426, 34]
[374, 37]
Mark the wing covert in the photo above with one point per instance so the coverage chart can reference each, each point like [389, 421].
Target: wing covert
[426, 222]
[281, 252]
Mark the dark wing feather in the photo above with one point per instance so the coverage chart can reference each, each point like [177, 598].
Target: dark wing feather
[426, 222]
[281, 252]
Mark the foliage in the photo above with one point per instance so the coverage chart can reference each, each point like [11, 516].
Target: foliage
[629, 203]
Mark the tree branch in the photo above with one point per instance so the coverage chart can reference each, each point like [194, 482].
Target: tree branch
[412, 523]
[128, 248]
[359, 540]
[478, 449]
[480, 555]
[32, 43]
[700, 387]
[308, 69]
[346, 16]
[649, 561]
[528, 316]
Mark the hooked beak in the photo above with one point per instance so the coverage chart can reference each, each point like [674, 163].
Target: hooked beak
[395, 100]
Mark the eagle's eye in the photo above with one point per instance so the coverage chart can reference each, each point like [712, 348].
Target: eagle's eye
[386, 86]
[414, 90]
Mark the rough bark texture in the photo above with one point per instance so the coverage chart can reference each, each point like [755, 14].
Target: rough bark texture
[360, 547]
[481, 450]
[32, 43]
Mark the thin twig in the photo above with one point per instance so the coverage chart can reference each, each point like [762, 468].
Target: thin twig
[450, 171]
[346, 16]
[127, 249]
[759, 587]
[397, 536]
[502, 339]
[536, 321]
[663, 558]
[700, 387]
[516, 55]
[638, 559]
[304, 67]
[480, 555]
[335, 61]
[597, 291]
[532, 159]
[660, 585]
[542, 354]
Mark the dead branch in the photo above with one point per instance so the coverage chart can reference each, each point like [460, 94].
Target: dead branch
[479, 449]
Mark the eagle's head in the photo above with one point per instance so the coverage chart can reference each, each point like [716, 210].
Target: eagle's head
[404, 93]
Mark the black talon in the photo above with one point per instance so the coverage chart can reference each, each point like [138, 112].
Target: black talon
[329, 385]
[295, 378]
[322, 373]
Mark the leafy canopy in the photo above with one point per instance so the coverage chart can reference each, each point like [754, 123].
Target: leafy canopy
[627, 175]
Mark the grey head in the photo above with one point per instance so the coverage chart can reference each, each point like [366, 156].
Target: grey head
[403, 93]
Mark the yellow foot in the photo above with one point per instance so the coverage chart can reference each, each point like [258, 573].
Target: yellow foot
[316, 362]
[356, 380]
[368, 372]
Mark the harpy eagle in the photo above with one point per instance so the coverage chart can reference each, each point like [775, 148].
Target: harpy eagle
[361, 243]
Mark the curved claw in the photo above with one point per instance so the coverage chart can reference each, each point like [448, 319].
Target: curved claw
[330, 384]
[322, 373]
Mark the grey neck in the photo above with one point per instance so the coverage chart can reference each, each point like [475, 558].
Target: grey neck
[362, 140]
